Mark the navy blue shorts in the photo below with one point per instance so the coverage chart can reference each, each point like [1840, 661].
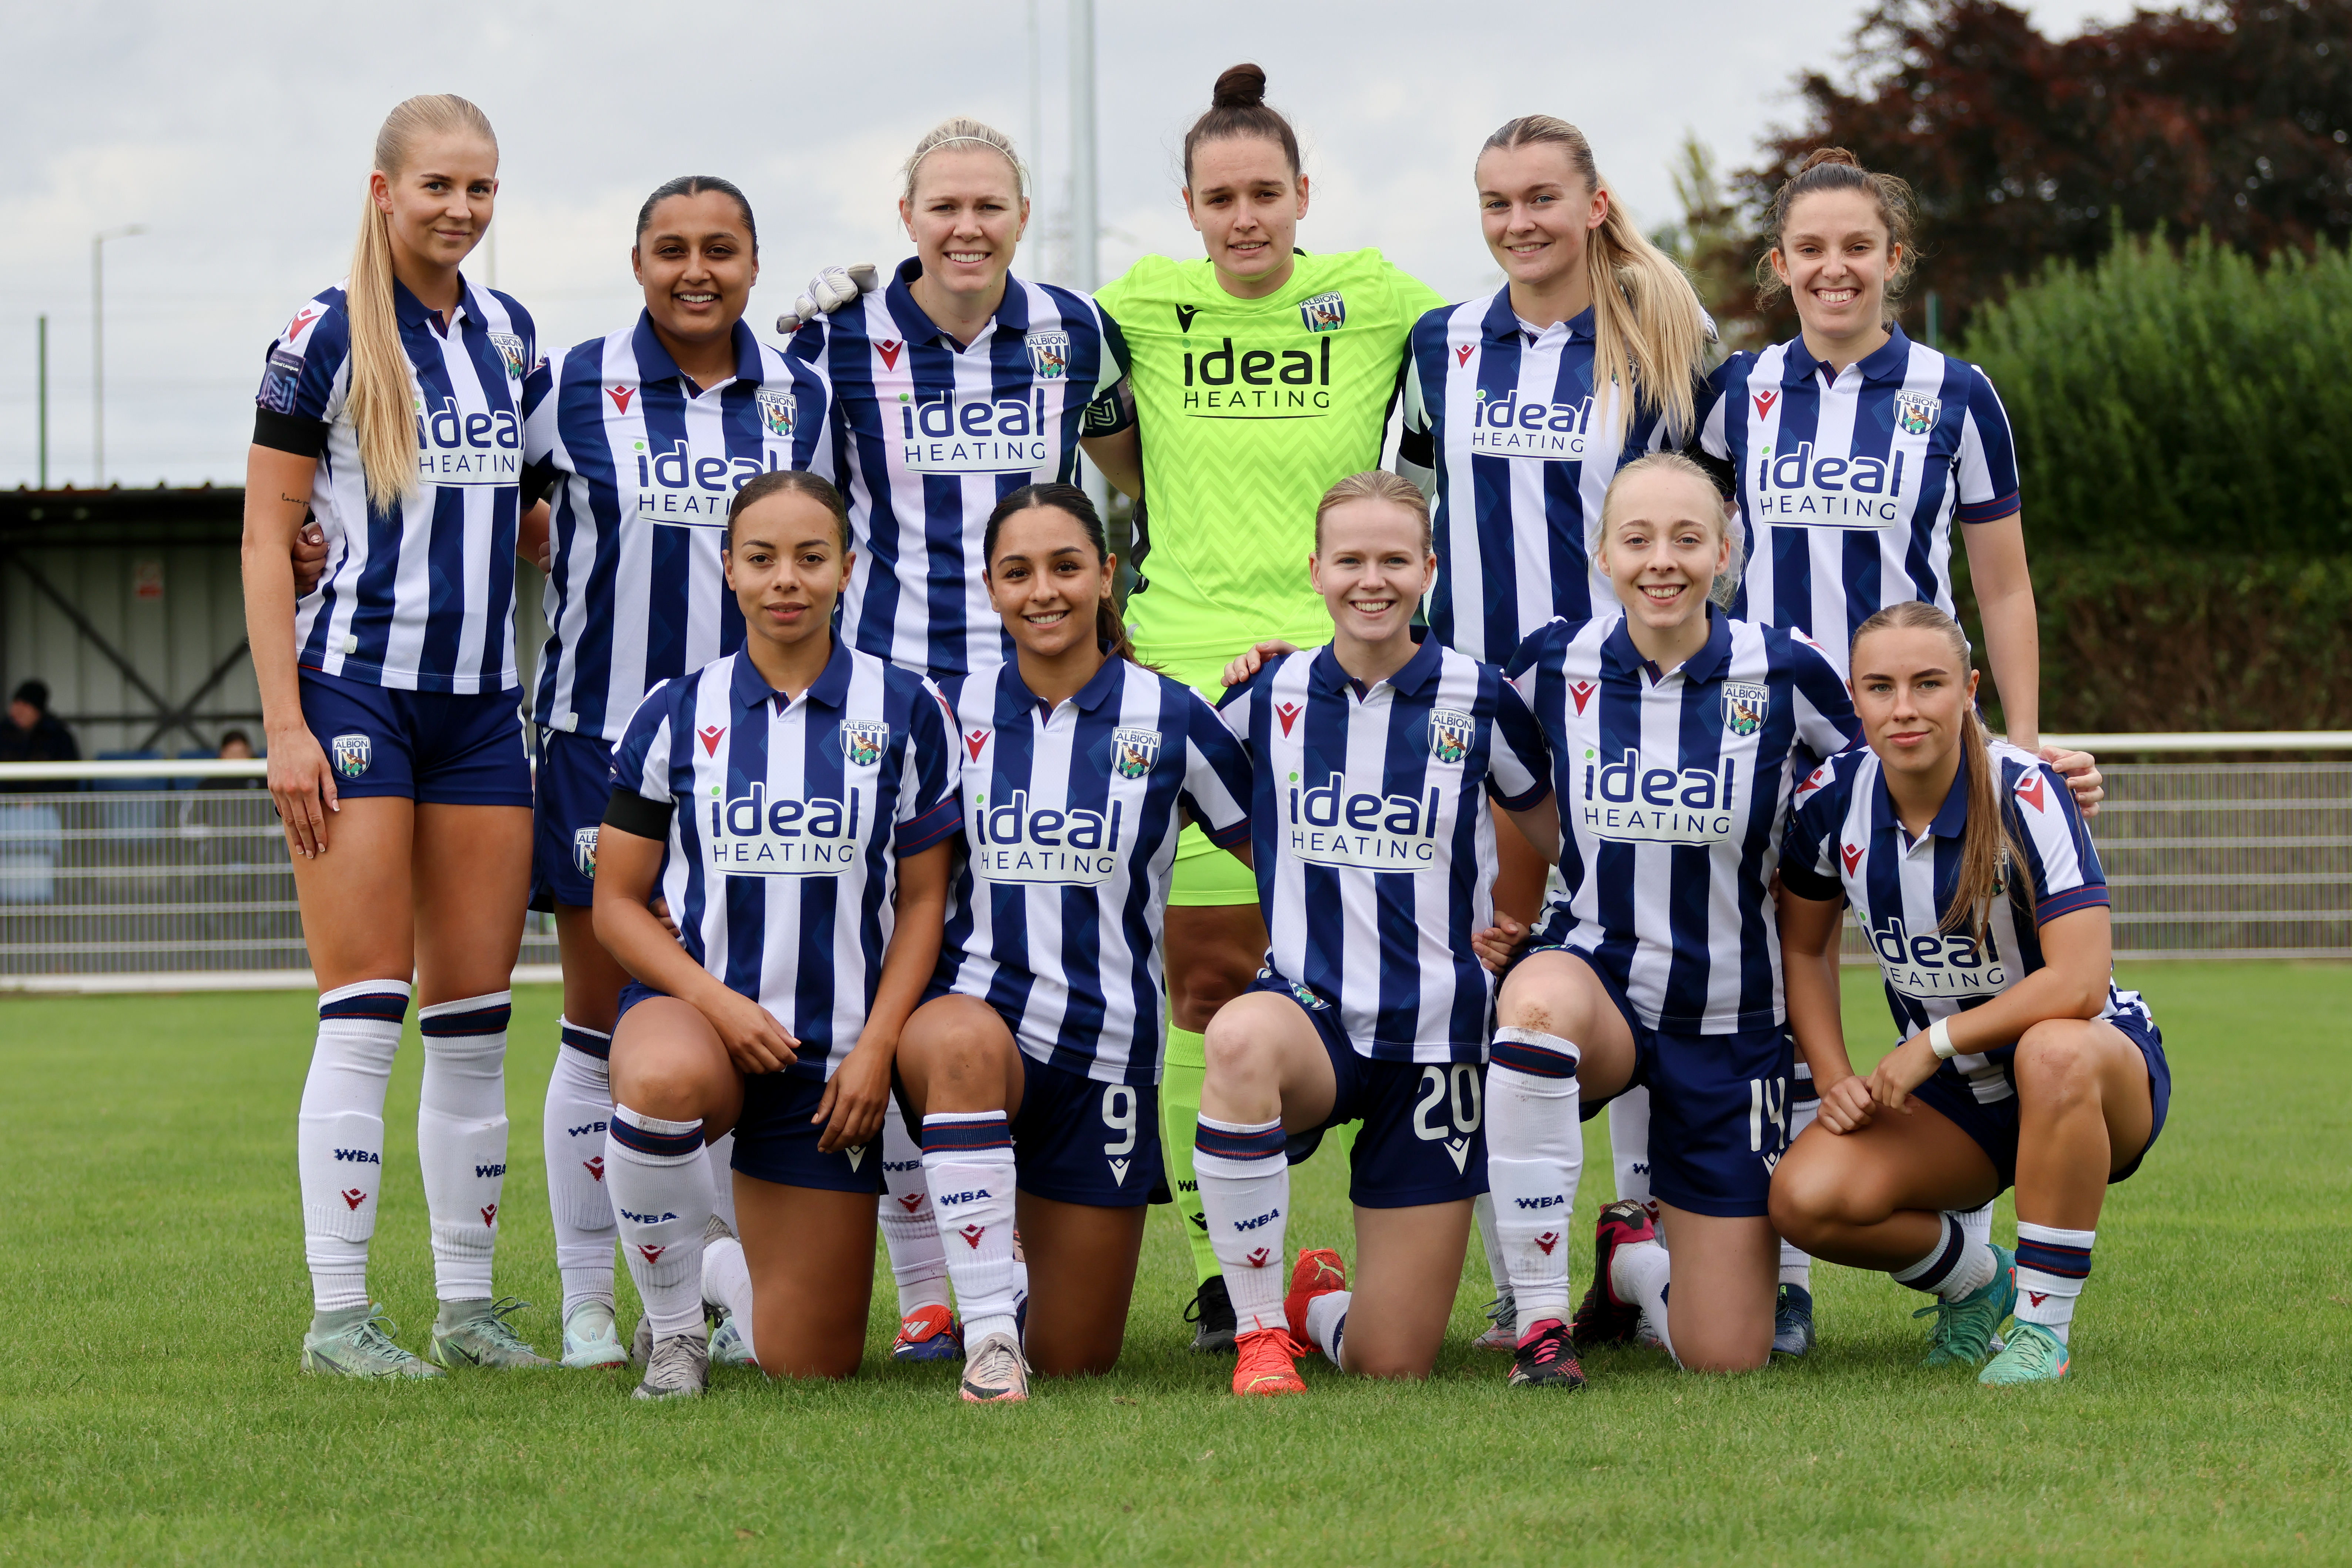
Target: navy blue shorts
[1994, 1126]
[1719, 1107]
[1079, 1140]
[574, 782]
[431, 747]
[1423, 1139]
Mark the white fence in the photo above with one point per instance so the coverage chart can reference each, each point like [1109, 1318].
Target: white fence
[173, 875]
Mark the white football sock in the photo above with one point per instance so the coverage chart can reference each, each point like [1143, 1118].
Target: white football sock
[918, 1264]
[968, 1161]
[1641, 1272]
[339, 1138]
[1629, 1146]
[661, 1196]
[1244, 1178]
[1975, 1225]
[461, 1138]
[1327, 1321]
[1954, 1268]
[727, 1279]
[571, 1135]
[720, 1156]
[2051, 1266]
[1535, 1157]
[1804, 1105]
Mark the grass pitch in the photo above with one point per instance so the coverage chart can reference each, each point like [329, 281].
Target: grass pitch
[154, 1296]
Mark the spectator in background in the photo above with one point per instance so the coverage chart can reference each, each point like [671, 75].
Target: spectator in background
[236, 745]
[34, 734]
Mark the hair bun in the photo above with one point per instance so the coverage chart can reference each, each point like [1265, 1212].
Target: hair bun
[1820, 155]
[1239, 86]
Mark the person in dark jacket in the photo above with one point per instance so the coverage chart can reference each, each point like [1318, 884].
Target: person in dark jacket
[31, 733]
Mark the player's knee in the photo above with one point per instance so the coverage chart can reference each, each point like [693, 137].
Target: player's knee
[674, 1085]
[2055, 1062]
[1231, 1047]
[1206, 985]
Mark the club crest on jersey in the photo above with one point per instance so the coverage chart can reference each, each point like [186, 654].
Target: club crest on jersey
[1914, 412]
[510, 348]
[1450, 734]
[351, 753]
[584, 852]
[1049, 354]
[862, 740]
[1744, 705]
[1132, 751]
[776, 410]
[1323, 313]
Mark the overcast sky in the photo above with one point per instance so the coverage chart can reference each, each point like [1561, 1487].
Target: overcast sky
[238, 135]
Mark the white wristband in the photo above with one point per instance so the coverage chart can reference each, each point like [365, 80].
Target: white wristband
[1939, 1039]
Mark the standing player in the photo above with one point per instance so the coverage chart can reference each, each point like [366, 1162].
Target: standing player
[929, 402]
[794, 800]
[1375, 852]
[392, 408]
[1852, 450]
[647, 434]
[1969, 866]
[1519, 409]
[1259, 376]
[1676, 735]
[1034, 1067]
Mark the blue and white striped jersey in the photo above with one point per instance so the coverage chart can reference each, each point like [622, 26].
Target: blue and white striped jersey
[1846, 840]
[789, 822]
[1847, 487]
[1525, 450]
[646, 463]
[924, 436]
[421, 597]
[1070, 817]
[1372, 841]
[1671, 790]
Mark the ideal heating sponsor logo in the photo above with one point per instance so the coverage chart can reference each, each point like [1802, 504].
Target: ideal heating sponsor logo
[1288, 384]
[945, 433]
[1934, 963]
[1633, 800]
[1014, 841]
[1333, 824]
[455, 447]
[1805, 489]
[683, 489]
[755, 834]
[1515, 426]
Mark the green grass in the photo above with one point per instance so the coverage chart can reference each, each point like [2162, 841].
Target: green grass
[153, 1296]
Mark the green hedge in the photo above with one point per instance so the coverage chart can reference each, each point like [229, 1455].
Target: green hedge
[2135, 642]
[2188, 400]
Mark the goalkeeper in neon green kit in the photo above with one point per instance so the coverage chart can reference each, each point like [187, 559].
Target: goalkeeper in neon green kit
[1260, 376]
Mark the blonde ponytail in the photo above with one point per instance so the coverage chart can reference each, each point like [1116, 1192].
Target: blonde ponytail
[383, 392]
[1649, 330]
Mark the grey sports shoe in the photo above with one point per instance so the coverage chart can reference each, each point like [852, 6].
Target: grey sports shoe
[679, 1368]
[995, 1372]
[641, 1343]
[477, 1333]
[358, 1344]
[591, 1338]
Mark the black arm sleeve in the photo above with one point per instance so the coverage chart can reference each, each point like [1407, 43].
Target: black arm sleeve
[289, 432]
[1418, 447]
[1718, 468]
[1800, 880]
[633, 813]
[537, 478]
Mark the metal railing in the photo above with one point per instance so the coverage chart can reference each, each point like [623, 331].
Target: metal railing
[173, 875]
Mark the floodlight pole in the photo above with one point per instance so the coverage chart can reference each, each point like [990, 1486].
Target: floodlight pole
[98, 348]
[1086, 224]
[41, 378]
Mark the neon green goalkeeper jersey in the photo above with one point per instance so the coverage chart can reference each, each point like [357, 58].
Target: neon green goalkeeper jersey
[1248, 410]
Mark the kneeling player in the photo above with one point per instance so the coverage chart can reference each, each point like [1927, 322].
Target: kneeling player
[795, 800]
[1674, 733]
[1969, 866]
[1035, 1066]
[1375, 860]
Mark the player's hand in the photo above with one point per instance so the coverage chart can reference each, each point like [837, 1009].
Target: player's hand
[752, 1036]
[2081, 772]
[1901, 1070]
[660, 907]
[1846, 1105]
[1250, 663]
[547, 555]
[1495, 944]
[855, 1096]
[309, 557]
[302, 786]
[828, 291]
